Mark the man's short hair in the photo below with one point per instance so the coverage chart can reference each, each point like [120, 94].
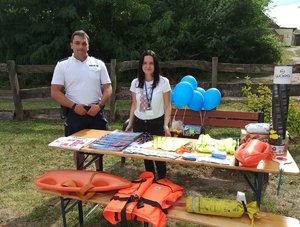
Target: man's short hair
[80, 33]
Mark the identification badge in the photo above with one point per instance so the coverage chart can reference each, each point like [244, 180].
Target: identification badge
[149, 112]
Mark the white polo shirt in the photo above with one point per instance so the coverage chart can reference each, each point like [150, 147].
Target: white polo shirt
[157, 102]
[82, 80]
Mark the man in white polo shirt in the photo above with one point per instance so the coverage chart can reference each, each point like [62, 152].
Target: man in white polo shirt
[87, 88]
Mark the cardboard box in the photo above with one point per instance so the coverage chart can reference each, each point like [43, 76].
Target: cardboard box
[247, 136]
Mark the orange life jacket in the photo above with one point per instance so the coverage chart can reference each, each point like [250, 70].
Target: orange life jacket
[145, 201]
[153, 204]
[122, 204]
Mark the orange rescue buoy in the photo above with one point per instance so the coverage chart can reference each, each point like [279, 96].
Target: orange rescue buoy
[80, 181]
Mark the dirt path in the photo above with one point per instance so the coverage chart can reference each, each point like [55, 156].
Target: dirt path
[296, 76]
[295, 58]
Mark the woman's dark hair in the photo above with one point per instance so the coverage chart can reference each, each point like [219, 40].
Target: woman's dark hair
[140, 73]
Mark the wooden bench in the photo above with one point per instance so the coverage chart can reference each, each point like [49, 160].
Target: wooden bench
[179, 213]
[217, 118]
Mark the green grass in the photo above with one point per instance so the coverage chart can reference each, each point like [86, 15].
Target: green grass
[297, 52]
[287, 55]
[121, 104]
[32, 104]
[25, 155]
[29, 104]
[286, 58]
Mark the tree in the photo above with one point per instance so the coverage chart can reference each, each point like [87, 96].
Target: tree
[235, 31]
[38, 32]
[34, 31]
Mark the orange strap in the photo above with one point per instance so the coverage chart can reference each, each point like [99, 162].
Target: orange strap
[83, 193]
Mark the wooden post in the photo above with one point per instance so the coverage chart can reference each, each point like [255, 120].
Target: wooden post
[113, 77]
[14, 84]
[214, 72]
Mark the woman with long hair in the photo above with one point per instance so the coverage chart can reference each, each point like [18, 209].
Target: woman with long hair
[150, 109]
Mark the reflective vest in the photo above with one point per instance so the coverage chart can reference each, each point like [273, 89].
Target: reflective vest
[145, 200]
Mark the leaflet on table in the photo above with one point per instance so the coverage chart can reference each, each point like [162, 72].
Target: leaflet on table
[173, 155]
[148, 144]
[213, 160]
[71, 142]
[115, 141]
[158, 153]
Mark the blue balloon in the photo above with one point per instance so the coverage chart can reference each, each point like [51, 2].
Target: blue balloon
[202, 91]
[182, 94]
[197, 101]
[212, 98]
[191, 80]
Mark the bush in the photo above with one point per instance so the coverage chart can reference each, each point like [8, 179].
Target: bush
[259, 100]
[293, 118]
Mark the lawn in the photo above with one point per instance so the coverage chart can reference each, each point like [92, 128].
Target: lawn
[25, 155]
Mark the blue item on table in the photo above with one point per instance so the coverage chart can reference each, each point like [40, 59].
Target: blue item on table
[189, 156]
[219, 154]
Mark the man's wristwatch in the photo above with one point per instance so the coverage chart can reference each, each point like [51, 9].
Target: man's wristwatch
[73, 106]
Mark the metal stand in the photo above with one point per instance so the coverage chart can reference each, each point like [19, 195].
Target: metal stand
[257, 185]
[67, 205]
[96, 158]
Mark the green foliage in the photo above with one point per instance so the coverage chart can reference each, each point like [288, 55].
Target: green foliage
[35, 32]
[294, 118]
[4, 81]
[259, 100]
[38, 32]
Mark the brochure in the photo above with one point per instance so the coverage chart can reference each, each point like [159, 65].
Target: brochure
[71, 142]
[115, 141]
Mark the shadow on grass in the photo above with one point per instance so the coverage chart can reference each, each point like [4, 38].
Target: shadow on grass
[47, 214]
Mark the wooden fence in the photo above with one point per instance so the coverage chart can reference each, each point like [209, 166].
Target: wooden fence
[114, 68]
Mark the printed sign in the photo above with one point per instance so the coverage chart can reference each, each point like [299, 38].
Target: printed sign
[283, 74]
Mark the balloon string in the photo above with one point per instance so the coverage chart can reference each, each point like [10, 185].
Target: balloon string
[174, 115]
[202, 117]
[184, 114]
[201, 120]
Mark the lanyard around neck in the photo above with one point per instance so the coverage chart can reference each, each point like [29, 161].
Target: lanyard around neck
[149, 99]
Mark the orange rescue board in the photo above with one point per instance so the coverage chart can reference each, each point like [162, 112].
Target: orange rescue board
[76, 180]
